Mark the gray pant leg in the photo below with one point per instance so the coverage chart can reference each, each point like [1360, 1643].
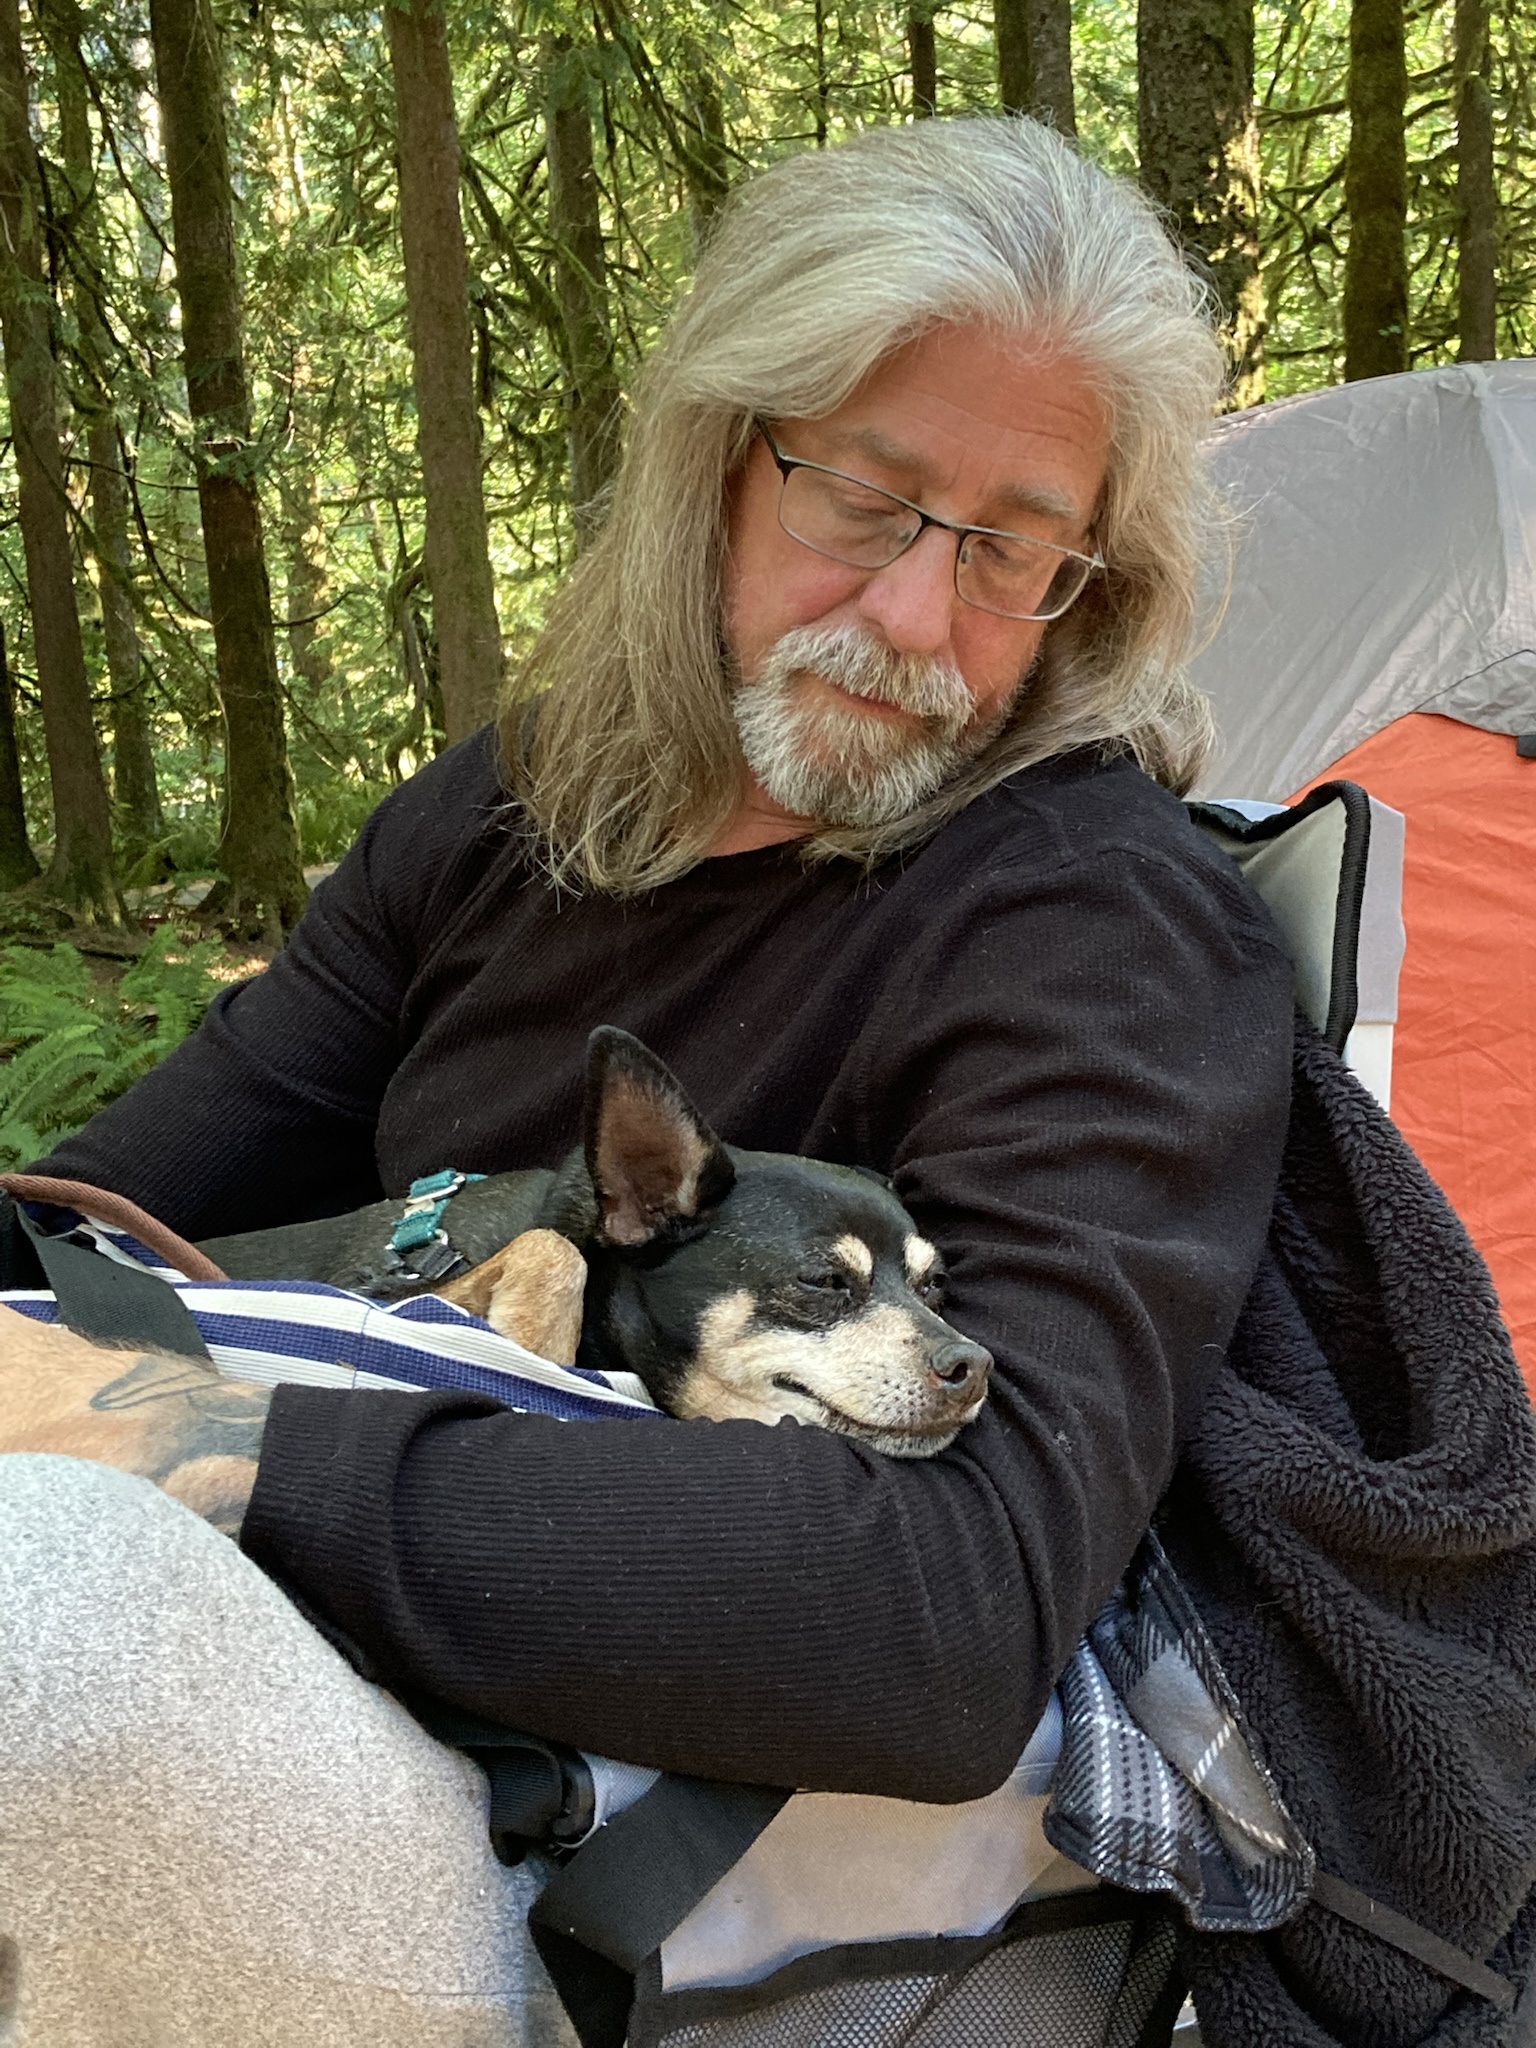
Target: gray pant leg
[213, 1834]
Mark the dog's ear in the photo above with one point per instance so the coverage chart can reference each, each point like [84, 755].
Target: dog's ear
[652, 1158]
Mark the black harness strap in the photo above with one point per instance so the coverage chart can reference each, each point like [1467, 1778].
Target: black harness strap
[111, 1303]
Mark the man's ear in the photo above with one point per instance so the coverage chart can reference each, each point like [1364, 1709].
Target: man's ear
[652, 1158]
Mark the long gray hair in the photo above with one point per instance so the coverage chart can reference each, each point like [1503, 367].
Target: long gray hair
[818, 270]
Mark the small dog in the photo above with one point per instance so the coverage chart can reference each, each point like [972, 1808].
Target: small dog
[731, 1283]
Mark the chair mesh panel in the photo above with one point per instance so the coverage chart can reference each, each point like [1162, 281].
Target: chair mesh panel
[1095, 1986]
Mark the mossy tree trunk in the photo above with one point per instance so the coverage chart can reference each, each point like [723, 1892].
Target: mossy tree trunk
[581, 281]
[1477, 198]
[18, 863]
[261, 892]
[447, 425]
[1033, 39]
[140, 821]
[707, 167]
[1376, 193]
[821, 89]
[1199, 143]
[308, 580]
[80, 874]
[923, 58]
[135, 786]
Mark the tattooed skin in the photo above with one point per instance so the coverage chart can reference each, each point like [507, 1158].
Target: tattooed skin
[197, 1436]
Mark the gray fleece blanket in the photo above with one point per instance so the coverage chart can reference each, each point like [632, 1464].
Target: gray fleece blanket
[1356, 1525]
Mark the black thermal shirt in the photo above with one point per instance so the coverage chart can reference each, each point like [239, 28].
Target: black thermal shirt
[1064, 1027]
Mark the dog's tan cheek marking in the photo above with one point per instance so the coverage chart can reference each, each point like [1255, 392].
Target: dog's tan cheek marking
[920, 1255]
[710, 1388]
[855, 1255]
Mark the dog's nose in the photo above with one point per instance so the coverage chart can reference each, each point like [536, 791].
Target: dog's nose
[960, 1367]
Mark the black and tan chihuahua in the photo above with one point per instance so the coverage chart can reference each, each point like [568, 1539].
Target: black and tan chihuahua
[731, 1283]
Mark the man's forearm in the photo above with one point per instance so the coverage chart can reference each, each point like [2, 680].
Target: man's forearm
[172, 1420]
[195, 1435]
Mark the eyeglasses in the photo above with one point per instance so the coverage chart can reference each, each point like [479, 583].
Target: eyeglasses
[848, 520]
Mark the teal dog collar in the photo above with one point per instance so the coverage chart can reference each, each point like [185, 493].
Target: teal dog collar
[420, 1230]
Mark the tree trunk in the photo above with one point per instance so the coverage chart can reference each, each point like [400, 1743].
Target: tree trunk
[134, 785]
[923, 56]
[1199, 145]
[1477, 198]
[821, 97]
[80, 874]
[708, 165]
[447, 425]
[1034, 60]
[1015, 71]
[262, 891]
[581, 282]
[1376, 193]
[17, 862]
[309, 584]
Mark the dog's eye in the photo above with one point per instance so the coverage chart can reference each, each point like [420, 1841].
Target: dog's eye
[829, 1281]
[931, 1291]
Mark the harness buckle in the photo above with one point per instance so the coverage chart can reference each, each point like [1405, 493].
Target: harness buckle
[437, 1260]
[419, 1224]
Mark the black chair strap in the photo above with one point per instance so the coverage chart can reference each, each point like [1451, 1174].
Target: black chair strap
[1399, 1932]
[615, 1902]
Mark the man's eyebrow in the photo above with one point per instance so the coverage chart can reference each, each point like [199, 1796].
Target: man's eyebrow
[1043, 500]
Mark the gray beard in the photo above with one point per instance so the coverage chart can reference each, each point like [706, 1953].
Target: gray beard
[841, 768]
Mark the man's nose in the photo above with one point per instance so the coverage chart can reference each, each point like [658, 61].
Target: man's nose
[911, 602]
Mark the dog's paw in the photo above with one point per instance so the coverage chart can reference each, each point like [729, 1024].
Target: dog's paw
[531, 1291]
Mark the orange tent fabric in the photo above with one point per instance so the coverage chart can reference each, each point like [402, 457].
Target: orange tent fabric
[1464, 1053]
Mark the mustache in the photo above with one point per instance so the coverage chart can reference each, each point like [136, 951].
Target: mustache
[855, 661]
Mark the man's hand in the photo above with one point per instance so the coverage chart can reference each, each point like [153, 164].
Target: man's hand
[172, 1420]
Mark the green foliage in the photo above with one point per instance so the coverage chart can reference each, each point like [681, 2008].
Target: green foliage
[190, 847]
[331, 817]
[72, 1043]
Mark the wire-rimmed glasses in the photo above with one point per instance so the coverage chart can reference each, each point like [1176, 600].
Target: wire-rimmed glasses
[854, 522]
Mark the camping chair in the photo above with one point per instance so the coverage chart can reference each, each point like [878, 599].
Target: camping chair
[1330, 868]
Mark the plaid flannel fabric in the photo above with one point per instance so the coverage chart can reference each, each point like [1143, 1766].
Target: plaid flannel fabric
[1159, 1787]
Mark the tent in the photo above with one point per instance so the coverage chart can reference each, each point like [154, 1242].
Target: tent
[1381, 627]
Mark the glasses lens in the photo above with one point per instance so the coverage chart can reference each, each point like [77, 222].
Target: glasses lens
[1017, 578]
[851, 522]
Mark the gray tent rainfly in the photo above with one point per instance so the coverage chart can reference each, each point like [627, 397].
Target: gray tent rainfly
[1385, 563]
[1381, 628]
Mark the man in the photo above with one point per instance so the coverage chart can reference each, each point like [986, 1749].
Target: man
[835, 783]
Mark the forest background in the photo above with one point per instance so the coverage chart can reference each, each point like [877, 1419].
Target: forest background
[317, 324]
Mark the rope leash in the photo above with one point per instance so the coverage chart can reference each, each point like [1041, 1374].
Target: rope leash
[102, 1204]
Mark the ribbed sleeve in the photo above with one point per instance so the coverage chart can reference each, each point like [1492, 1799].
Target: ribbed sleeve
[766, 1605]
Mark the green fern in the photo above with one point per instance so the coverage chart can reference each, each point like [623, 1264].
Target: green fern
[73, 1044]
